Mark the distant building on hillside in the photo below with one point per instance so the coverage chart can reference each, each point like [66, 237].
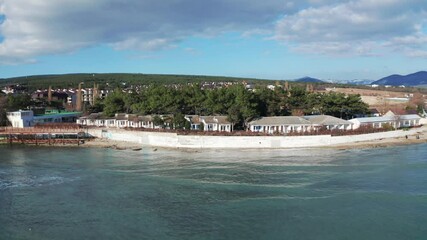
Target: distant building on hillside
[14, 89]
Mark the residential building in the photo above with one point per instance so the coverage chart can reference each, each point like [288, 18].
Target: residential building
[123, 120]
[282, 124]
[389, 119]
[329, 122]
[216, 123]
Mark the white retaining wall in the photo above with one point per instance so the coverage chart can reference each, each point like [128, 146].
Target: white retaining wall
[172, 140]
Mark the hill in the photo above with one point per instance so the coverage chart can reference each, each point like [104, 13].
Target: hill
[414, 79]
[309, 79]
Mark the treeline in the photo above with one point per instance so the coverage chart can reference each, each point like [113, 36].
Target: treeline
[238, 103]
[111, 80]
[13, 103]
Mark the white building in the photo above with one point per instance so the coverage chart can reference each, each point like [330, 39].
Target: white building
[22, 119]
[216, 123]
[282, 124]
[329, 122]
[395, 121]
[289, 124]
[123, 120]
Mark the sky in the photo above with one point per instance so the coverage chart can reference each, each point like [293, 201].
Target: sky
[270, 39]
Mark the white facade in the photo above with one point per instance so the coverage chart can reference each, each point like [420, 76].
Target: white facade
[395, 121]
[118, 121]
[21, 119]
[210, 123]
[290, 124]
[216, 123]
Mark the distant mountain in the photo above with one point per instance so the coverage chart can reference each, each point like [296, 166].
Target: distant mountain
[414, 79]
[359, 81]
[352, 82]
[309, 79]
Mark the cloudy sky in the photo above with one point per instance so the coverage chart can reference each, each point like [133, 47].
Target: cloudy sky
[275, 39]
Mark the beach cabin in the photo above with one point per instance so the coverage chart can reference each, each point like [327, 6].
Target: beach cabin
[329, 122]
[395, 121]
[194, 121]
[282, 124]
[97, 120]
[121, 120]
[146, 122]
[216, 123]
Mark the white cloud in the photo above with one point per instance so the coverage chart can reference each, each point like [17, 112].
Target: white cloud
[363, 27]
[359, 27]
[38, 27]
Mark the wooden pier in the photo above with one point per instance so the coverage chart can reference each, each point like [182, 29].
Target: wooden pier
[44, 135]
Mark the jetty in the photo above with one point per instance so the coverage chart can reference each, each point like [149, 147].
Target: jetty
[47, 134]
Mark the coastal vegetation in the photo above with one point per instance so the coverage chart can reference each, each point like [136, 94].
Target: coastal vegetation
[238, 103]
[13, 103]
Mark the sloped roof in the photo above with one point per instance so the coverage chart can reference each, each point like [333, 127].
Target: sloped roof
[194, 119]
[216, 119]
[326, 120]
[374, 119]
[121, 116]
[409, 117]
[387, 118]
[282, 120]
[222, 119]
[208, 119]
[146, 118]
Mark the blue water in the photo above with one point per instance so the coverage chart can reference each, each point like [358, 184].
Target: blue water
[83, 193]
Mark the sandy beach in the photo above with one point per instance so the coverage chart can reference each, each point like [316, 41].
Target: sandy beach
[420, 137]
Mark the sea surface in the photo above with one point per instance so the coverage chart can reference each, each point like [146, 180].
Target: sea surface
[93, 193]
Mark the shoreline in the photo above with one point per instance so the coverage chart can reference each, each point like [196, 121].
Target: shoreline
[382, 143]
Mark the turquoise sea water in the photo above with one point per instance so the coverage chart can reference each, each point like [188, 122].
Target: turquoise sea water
[82, 193]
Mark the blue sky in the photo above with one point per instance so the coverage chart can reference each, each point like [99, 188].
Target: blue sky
[273, 39]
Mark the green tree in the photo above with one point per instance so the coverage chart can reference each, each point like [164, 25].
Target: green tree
[114, 103]
[179, 122]
[269, 102]
[97, 107]
[3, 107]
[158, 121]
[339, 104]
[245, 103]
[17, 102]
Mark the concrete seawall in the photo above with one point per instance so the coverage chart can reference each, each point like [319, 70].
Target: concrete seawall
[173, 140]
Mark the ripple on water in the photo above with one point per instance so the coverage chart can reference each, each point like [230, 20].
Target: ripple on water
[32, 181]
